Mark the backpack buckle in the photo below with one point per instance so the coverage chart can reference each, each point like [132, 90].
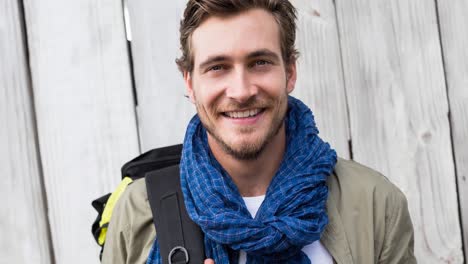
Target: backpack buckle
[174, 251]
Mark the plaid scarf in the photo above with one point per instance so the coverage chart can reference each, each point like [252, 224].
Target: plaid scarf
[293, 213]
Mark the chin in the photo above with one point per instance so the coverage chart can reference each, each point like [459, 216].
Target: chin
[244, 152]
[245, 149]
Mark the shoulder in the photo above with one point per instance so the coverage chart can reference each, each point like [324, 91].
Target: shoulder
[135, 198]
[358, 188]
[133, 207]
[355, 180]
[371, 212]
[131, 231]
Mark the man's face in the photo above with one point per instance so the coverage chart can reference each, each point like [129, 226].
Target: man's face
[239, 82]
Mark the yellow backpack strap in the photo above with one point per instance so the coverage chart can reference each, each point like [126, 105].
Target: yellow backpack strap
[109, 208]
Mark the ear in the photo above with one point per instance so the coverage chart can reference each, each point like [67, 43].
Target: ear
[291, 76]
[188, 86]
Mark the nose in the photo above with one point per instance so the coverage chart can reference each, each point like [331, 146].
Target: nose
[240, 87]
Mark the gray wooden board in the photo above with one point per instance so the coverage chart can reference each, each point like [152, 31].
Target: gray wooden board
[163, 111]
[23, 217]
[398, 112]
[453, 23]
[85, 112]
[320, 76]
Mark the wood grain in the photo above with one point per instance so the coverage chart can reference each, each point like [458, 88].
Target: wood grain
[163, 111]
[23, 219]
[398, 112]
[320, 76]
[85, 112]
[454, 36]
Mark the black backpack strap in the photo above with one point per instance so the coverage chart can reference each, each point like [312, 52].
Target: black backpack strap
[180, 239]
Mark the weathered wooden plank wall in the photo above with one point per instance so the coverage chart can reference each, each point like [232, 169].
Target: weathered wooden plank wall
[23, 218]
[85, 112]
[163, 111]
[320, 75]
[453, 22]
[394, 78]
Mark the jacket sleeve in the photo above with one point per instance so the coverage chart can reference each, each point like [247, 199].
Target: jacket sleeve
[115, 247]
[398, 246]
[131, 232]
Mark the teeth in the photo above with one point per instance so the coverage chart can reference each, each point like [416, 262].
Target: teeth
[243, 114]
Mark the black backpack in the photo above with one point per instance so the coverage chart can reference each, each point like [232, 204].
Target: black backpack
[180, 239]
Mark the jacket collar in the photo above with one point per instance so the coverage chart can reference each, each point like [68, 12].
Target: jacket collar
[334, 237]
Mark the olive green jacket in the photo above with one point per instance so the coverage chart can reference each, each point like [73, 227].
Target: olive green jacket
[369, 221]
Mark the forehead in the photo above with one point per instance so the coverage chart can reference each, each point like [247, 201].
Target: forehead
[236, 35]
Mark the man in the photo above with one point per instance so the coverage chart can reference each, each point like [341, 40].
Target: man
[257, 179]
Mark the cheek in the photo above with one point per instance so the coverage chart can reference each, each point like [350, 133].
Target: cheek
[207, 98]
[210, 89]
[274, 85]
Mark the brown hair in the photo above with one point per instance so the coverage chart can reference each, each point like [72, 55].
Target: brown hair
[197, 11]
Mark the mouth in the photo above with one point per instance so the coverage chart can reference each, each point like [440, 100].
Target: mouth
[249, 113]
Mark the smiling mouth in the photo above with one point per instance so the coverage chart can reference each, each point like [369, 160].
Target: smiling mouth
[243, 114]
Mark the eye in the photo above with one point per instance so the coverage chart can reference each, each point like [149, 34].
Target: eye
[216, 68]
[260, 63]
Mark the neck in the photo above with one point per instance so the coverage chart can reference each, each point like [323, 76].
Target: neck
[252, 177]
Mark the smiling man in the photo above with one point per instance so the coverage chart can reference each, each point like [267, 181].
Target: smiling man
[256, 177]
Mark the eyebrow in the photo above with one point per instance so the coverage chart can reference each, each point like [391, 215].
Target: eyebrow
[263, 53]
[258, 53]
[211, 60]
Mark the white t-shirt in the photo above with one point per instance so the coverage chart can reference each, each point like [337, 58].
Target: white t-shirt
[316, 252]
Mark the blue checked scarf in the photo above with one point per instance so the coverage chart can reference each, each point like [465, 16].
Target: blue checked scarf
[293, 213]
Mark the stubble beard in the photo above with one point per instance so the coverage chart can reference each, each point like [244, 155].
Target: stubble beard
[249, 151]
